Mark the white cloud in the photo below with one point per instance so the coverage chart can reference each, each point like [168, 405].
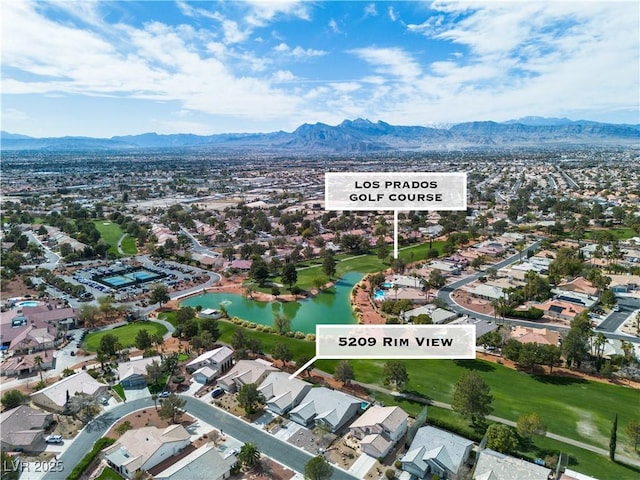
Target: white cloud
[283, 76]
[370, 10]
[333, 25]
[392, 14]
[298, 52]
[390, 61]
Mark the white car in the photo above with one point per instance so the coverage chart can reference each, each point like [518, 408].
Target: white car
[53, 439]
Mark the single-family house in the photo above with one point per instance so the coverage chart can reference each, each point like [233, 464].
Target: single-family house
[26, 364]
[283, 393]
[560, 309]
[204, 463]
[379, 429]
[145, 447]
[23, 427]
[55, 398]
[245, 372]
[569, 474]
[133, 374]
[436, 452]
[579, 285]
[487, 292]
[492, 465]
[482, 326]
[326, 407]
[211, 364]
[541, 336]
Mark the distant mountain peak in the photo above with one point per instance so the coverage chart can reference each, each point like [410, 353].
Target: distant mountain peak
[360, 136]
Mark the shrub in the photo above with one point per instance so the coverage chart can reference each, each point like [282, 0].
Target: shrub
[79, 469]
[310, 337]
[253, 325]
[299, 335]
[390, 473]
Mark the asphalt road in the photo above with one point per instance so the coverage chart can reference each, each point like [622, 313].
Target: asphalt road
[283, 452]
[615, 319]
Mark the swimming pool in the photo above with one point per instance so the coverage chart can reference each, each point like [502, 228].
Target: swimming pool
[387, 285]
[28, 303]
[378, 295]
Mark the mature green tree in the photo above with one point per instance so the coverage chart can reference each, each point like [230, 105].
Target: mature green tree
[154, 372]
[203, 341]
[281, 323]
[185, 314]
[239, 338]
[303, 359]
[633, 431]
[531, 425]
[38, 361]
[550, 356]
[210, 325]
[422, 319]
[282, 352]
[472, 397]
[343, 372]
[529, 356]
[172, 408]
[108, 345]
[250, 399]
[249, 455]
[395, 373]
[13, 399]
[159, 294]
[575, 347]
[436, 279]
[143, 339]
[613, 439]
[501, 438]
[318, 469]
[289, 274]
[88, 315]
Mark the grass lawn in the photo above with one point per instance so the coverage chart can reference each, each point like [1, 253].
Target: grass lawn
[110, 233]
[169, 317]
[126, 334]
[109, 474]
[129, 245]
[619, 233]
[574, 408]
[580, 460]
[120, 391]
[269, 340]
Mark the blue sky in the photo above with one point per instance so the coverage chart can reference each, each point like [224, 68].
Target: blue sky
[117, 68]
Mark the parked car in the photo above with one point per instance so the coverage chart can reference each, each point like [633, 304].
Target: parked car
[616, 308]
[217, 392]
[164, 394]
[54, 439]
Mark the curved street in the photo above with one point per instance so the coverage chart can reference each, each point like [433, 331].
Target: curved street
[283, 452]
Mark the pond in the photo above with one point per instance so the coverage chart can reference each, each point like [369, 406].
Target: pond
[331, 306]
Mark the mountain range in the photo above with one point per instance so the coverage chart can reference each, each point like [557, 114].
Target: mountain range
[359, 136]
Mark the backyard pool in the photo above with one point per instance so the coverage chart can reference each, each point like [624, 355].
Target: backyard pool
[329, 307]
[28, 303]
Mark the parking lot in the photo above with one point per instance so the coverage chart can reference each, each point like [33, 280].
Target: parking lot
[96, 278]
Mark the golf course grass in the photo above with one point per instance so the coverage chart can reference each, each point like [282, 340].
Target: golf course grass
[571, 407]
[126, 334]
[111, 233]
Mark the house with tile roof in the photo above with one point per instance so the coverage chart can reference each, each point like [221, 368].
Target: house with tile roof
[379, 429]
[204, 463]
[541, 336]
[211, 364]
[23, 427]
[54, 398]
[133, 374]
[144, 448]
[245, 372]
[436, 452]
[283, 393]
[326, 407]
[492, 465]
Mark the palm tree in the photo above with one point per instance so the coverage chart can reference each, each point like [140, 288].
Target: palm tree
[154, 397]
[37, 361]
[249, 455]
